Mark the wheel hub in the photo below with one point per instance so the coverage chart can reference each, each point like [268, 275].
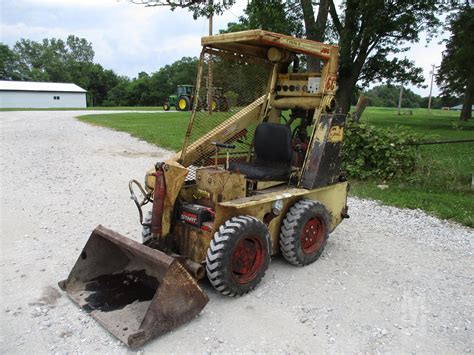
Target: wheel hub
[247, 259]
[312, 236]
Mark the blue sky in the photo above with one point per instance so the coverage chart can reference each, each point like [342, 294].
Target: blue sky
[131, 38]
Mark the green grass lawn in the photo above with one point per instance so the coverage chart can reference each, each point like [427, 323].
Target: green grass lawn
[163, 129]
[440, 186]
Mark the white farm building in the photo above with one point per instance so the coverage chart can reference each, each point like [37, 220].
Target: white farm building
[29, 94]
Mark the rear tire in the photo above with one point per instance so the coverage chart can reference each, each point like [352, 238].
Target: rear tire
[304, 232]
[214, 105]
[224, 104]
[183, 103]
[238, 256]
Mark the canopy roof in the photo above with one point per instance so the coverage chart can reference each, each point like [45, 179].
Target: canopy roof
[256, 43]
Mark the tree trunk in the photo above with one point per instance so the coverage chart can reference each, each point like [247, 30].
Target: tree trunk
[344, 93]
[466, 112]
[400, 98]
[315, 29]
[360, 107]
[348, 75]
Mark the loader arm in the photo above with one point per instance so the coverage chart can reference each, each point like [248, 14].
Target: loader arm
[225, 131]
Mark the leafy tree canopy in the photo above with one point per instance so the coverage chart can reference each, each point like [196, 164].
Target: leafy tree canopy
[56, 60]
[199, 8]
[387, 96]
[153, 89]
[271, 15]
[456, 73]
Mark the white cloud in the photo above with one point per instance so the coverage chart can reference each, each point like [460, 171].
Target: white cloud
[71, 3]
[21, 30]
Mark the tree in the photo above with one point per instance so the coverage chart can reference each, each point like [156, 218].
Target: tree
[181, 72]
[54, 59]
[387, 96]
[315, 28]
[456, 73]
[99, 82]
[152, 89]
[271, 15]
[371, 30]
[119, 95]
[199, 8]
[8, 60]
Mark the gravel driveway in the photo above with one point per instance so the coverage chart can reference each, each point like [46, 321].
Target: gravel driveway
[390, 280]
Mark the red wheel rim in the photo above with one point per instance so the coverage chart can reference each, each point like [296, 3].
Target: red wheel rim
[312, 236]
[247, 259]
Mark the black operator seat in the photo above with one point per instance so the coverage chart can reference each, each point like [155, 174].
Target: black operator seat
[272, 144]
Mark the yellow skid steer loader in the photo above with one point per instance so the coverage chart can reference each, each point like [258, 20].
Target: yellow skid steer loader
[259, 179]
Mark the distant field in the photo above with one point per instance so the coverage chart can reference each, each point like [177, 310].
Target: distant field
[441, 185]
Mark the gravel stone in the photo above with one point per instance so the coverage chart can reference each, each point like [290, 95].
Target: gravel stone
[385, 273]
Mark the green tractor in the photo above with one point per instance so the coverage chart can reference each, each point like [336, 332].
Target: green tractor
[219, 101]
[183, 100]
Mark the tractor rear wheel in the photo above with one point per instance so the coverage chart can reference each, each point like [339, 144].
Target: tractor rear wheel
[304, 232]
[224, 104]
[183, 103]
[214, 105]
[238, 256]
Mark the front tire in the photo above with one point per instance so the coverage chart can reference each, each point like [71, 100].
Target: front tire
[238, 256]
[304, 232]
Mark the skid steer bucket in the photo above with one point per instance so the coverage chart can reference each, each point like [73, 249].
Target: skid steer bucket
[135, 292]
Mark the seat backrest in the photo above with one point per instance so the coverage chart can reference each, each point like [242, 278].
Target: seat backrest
[272, 143]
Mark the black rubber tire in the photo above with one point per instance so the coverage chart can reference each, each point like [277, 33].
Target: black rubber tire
[293, 225]
[146, 230]
[221, 253]
[186, 107]
[166, 106]
[200, 105]
[224, 104]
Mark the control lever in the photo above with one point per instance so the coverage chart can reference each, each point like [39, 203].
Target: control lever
[226, 146]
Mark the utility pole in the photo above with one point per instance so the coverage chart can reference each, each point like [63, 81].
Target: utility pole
[431, 87]
[400, 99]
[209, 66]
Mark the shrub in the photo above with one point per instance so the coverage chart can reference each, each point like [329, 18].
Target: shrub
[232, 96]
[371, 152]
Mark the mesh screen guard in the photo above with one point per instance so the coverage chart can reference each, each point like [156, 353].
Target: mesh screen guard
[227, 106]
